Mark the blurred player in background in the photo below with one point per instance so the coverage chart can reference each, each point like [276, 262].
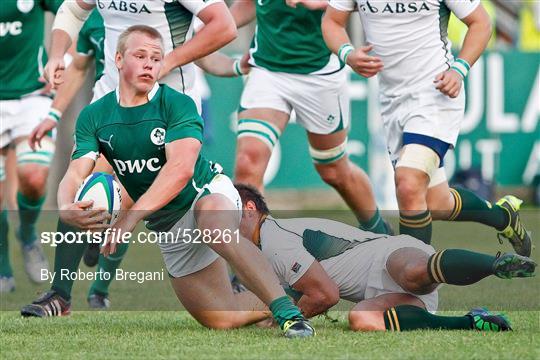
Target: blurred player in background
[174, 20]
[423, 104]
[175, 192]
[395, 282]
[294, 70]
[24, 101]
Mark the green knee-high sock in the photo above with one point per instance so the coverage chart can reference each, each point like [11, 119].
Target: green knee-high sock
[29, 210]
[109, 265]
[5, 265]
[470, 207]
[418, 226]
[409, 317]
[375, 225]
[459, 267]
[283, 309]
[66, 260]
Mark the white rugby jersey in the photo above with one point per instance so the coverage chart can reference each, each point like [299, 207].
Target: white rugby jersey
[410, 37]
[174, 19]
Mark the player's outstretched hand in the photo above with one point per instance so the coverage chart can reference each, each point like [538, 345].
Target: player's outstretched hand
[40, 131]
[82, 216]
[54, 72]
[449, 83]
[364, 64]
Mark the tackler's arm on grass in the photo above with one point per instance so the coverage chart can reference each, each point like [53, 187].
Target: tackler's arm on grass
[171, 180]
[319, 292]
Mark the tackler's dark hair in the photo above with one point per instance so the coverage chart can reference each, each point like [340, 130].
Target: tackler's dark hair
[249, 193]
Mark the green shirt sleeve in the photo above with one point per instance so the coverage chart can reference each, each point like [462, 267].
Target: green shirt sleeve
[51, 5]
[84, 46]
[184, 120]
[86, 143]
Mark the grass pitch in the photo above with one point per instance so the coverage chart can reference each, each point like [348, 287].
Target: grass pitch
[146, 320]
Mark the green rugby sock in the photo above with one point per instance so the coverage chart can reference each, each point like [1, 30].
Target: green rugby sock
[375, 225]
[67, 257]
[418, 226]
[409, 317]
[283, 309]
[459, 267]
[109, 265]
[29, 210]
[5, 265]
[470, 207]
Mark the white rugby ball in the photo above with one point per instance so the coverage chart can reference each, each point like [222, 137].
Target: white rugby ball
[104, 191]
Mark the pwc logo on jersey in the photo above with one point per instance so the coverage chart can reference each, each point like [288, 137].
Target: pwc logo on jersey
[133, 7]
[10, 28]
[381, 7]
[136, 166]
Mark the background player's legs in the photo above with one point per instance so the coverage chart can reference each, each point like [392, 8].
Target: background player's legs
[217, 211]
[32, 171]
[351, 182]
[208, 296]
[256, 139]
[7, 283]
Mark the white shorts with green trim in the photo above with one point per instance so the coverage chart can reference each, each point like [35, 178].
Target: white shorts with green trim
[369, 278]
[186, 256]
[19, 117]
[321, 102]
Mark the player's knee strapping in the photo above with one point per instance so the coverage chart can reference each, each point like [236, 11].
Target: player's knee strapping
[328, 156]
[42, 156]
[422, 158]
[2, 167]
[459, 267]
[266, 132]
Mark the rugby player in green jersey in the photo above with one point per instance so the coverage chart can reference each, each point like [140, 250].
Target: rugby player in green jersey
[24, 101]
[174, 188]
[392, 279]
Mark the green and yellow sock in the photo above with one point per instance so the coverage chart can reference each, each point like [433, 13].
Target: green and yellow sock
[418, 226]
[470, 207]
[67, 257]
[29, 210]
[375, 225]
[109, 265]
[459, 267]
[5, 265]
[409, 317]
[283, 309]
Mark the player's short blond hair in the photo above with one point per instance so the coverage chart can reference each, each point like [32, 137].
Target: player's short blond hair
[142, 29]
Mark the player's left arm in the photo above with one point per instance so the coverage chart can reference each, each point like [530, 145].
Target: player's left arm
[319, 291]
[218, 30]
[475, 42]
[219, 64]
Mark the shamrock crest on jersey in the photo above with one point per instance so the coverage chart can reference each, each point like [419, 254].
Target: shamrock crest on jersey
[158, 136]
[25, 6]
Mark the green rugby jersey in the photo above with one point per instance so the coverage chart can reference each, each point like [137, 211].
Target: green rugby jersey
[133, 140]
[290, 40]
[23, 56]
[91, 41]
